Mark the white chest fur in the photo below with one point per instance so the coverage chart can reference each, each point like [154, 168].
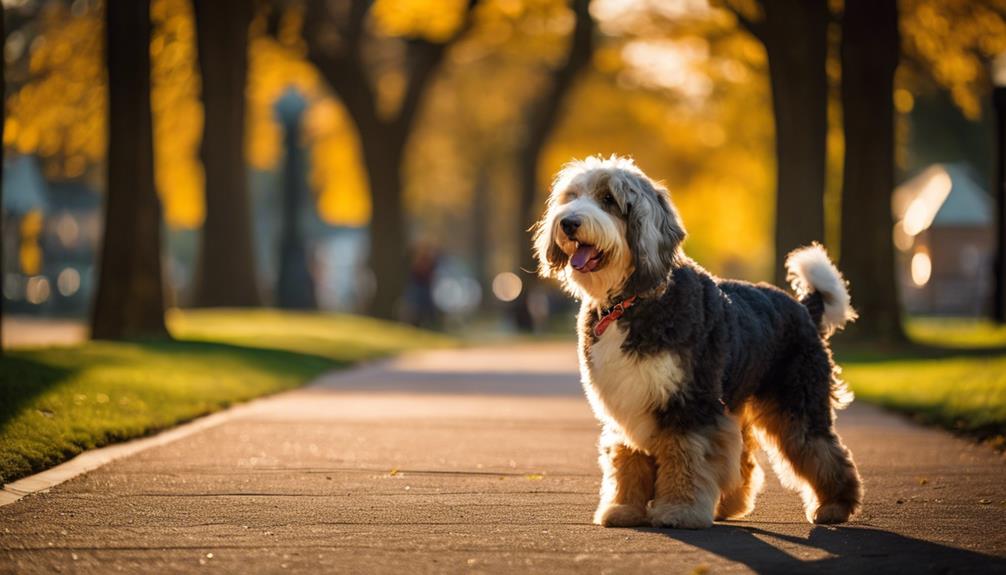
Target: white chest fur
[625, 389]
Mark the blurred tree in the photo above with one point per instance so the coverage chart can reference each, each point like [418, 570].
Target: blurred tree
[870, 54]
[226, 272]
[542, 115]
[680, 89]
[130, 299]
[795, 36]
[57, 106]
[950, 42]
[177, 115]
[336, 46]
[278, 63]
[3, 120]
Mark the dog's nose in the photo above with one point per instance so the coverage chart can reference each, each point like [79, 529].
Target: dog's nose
[569, 225]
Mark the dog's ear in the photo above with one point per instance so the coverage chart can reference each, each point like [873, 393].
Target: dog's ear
[551, 259]
[653, 231]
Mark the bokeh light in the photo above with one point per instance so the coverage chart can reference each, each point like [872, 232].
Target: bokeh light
[507, 286]
[37, 291]
[68, 282]
[922, 268]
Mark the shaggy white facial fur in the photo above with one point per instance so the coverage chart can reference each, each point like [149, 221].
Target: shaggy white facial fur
[603, 232]
[625, 389]
[572, 194]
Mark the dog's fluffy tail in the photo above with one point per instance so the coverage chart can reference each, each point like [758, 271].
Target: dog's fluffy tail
[820, 287]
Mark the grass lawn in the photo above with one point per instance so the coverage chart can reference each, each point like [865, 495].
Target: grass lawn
[954, 377]
[955, 333]
[344, 338]
[57, 402]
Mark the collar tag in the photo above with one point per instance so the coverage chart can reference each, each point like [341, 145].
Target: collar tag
[611, 316]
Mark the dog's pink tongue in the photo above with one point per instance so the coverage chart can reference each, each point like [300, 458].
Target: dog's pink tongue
[582, 257]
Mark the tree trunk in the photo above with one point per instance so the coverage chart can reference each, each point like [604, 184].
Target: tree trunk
[870, 51]
[383, 139]
[130, 299]
[226, 273]
[796, 41]
[542, 118]
[389, 250]
[3, 120]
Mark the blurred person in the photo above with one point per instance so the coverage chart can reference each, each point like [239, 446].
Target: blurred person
[420, 308]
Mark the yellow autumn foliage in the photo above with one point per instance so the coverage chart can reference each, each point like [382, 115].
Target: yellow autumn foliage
[177, 112]
[60, 113]
[953, 39]
[674, 85]
[434, 20]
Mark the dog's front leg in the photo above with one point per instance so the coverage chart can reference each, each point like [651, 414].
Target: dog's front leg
[687, 488]
[627, 485]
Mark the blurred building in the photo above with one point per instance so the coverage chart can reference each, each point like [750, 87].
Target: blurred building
[945, 239]
[51, 235]
[70, 242]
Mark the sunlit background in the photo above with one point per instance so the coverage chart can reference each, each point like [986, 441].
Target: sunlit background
[677, 84]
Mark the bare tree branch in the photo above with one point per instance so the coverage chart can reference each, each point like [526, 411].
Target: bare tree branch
[336, 50]
[544, 114]
[424, 59]
[753, 27]
[338, 57]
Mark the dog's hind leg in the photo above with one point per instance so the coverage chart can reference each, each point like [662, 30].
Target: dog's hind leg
[740, 501]
[627, 485]
[809, 456]
[693, 469]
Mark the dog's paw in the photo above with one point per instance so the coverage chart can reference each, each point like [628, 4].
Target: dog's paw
[733, 509]
[621, 515]
[832, 513]
[680, 516]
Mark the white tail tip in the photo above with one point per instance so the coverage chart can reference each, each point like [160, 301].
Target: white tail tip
[808, 270]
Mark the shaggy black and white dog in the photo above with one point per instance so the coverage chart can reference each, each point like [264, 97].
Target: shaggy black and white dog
[688, 373]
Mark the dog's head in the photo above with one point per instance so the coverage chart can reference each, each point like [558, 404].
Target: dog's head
[608, 229]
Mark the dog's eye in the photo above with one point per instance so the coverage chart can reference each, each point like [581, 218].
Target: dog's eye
[609, 200]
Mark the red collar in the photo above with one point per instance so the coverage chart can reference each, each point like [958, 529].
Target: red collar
[612, 314]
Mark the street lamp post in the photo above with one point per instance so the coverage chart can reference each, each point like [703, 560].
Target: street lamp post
[295, 286]
[999, 103]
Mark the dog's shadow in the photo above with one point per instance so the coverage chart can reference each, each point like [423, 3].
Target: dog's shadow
[848, 549]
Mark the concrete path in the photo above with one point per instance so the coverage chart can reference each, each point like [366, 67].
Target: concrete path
[478, 461]
[24, 330]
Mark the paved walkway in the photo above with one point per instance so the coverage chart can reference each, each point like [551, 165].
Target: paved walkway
[24, 330]
[478, 461]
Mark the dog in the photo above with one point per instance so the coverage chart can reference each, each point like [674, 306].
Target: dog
[690, 374]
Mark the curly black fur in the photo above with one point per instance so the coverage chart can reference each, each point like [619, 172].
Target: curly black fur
[739, 340]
